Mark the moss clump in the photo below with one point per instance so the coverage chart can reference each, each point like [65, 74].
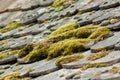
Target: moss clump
[11, 76]
[62, 3]
[66, 47]
[38, 53]
[100, 32]
[65, 28]
[83, 32]
[64, 41]
[98, 55]
[8, 54]
[94, 65]
[115, 70]
[11, 26]
[23, 52]
[68, 59]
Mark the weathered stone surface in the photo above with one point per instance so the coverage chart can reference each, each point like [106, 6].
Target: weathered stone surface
[108, 43]
[102, 18]
[94, 73]
[21, 5]
[109, 76]
[4, 5]
[41, 19]
[28, 17]
[44, 17]
[74, 8]
[44, 69]
[93, 5]
[109, 4]
[105, 23]
[38, 38]
[9, 60]
[61, 22]
[115, 26]
[35, 29]
[57, 75]
[78, 64]
[18, 43]
[9, 34]
[42, 11]
[111, 58]
[87, 18]
[21, 42]
[4, 67]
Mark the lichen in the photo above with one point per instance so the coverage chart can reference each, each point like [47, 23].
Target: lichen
[82, 32]
[98, 55]
[11, 76]
[66, 47]
[8, 54]
[94, 65]
[115, 70]
[99, 33]
[68, 59]
[65, 28]
[26, 50]
[11, 26]
[62, 3]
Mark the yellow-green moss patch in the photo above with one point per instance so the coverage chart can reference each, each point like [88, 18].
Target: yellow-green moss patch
[62, 3]
[8, 54]
[98, 55]
[66, 47]
[83, 32]
[65, 28]
[100, 32]
[94, 65]
[68, 39]
[68, 59]
[38, 53]
[23, 52]
[11, 76]
[11, 26]
[4, 41]
[115, 70]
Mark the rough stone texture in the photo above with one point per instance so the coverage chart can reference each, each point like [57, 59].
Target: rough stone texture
[108, 43]
[44, 69]
[41, 19]
[8, 60]
[111, 58]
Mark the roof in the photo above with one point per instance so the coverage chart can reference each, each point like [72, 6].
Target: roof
[60, 40]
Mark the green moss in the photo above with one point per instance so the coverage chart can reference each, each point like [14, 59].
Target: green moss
[23, 52]
[65, 41]
[83, 32]
[115, 70]
[11, 76]
[4, 41]
[94, 65]
[65, 28]
[98, 55]
[99, 33]
[62, 3]
[68, 59]
[38, 53]
[66, 47]
[8, 54]
[11, 26]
